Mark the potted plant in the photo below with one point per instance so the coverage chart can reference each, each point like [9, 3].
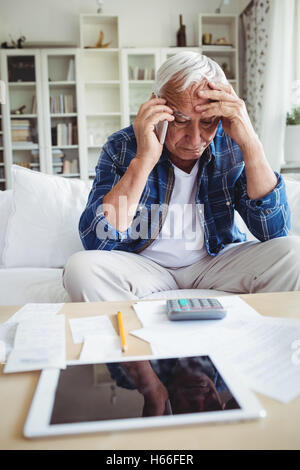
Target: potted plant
[292, 133]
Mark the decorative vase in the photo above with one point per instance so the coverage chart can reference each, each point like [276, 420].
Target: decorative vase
[181, 36]
[292, 144]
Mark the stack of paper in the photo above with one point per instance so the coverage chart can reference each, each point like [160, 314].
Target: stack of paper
[261, 349]
[33, 338]
[38, 345]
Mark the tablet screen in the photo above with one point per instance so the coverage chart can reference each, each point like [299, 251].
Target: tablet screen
[97, 392]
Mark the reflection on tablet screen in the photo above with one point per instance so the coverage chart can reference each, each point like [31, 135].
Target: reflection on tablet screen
[96, 392]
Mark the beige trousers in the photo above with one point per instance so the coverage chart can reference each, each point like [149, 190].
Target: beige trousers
[251, 267]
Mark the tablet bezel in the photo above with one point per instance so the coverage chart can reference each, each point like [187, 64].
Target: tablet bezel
[38, 419]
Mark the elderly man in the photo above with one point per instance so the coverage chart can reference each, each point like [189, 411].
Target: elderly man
[161, 217]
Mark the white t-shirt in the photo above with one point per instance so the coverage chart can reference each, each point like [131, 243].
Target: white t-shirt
[181, 240]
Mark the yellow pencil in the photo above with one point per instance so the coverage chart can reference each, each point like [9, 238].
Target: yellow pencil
[121, 331]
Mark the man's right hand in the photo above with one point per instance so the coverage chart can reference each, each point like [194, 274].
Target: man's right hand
[150, 113]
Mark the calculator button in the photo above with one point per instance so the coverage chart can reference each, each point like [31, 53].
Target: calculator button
[183, 302]
[195, 303]
[204, 303]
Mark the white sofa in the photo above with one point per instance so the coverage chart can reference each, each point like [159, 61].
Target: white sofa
[39, 231]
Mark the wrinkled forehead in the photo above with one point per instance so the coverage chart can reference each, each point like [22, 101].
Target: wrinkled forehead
[186, 100]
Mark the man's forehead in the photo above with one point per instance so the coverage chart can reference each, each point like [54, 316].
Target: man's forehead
[184, 103]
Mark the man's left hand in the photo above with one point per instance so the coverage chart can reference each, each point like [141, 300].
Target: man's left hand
[230, 109]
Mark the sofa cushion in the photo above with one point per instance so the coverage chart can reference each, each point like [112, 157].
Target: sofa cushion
[22, 285]
[5, 210]
[43, 227]
[293, 193]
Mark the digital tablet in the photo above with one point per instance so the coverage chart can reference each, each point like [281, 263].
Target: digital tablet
[138, 392]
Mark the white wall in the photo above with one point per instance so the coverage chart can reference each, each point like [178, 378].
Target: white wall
[142, 22]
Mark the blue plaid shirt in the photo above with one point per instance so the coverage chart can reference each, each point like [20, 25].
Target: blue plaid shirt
[221, 189]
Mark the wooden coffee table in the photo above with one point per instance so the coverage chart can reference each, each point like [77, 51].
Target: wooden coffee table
[279, 430]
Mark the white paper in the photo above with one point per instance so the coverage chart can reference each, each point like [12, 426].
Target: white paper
[264, 357]
[259, 348]
[157, 326]
[7, 335]
[90, 326]
[2, 351]
[35, 312]
[38, 345]
[100, 348]
[155, 312]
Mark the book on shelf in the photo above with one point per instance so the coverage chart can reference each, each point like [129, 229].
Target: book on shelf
[70, 166]
[71, 71]
[20, 130]
[34, 105]
[66, 166]
[17, 123]
[25, 143]
[74, 166]
[64, 134]
[136, 73]
[61, 104]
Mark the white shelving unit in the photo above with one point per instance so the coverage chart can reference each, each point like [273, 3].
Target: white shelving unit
[222, 26]
[138, 73]
[101, 85]
[107, 85]
[2, 164]
[62, 108]
[23, 133]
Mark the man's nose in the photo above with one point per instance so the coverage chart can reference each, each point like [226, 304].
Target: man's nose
[194, 136]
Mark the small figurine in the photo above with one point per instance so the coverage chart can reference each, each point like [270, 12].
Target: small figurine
[19, 110]
[20, 42]
[14, 44]
[222, 42]
[99, 44]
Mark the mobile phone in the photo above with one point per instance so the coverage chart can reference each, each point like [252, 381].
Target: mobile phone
[161, 131]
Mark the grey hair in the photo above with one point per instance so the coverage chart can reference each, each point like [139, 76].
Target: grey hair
[189, 67]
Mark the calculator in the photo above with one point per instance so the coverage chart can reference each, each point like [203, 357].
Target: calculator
[195, 309]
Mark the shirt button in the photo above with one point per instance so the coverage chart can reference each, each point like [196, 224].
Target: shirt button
[228, 203]
[258, 203]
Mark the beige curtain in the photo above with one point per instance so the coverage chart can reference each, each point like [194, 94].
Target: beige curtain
[271, 62]
[254, 26]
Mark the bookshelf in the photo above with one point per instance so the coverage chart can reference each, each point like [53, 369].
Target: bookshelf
[22, 113]
[215, 27]
[61, 110]
[100, 84]
[75, 98]
[2, 164]
[138, 74]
